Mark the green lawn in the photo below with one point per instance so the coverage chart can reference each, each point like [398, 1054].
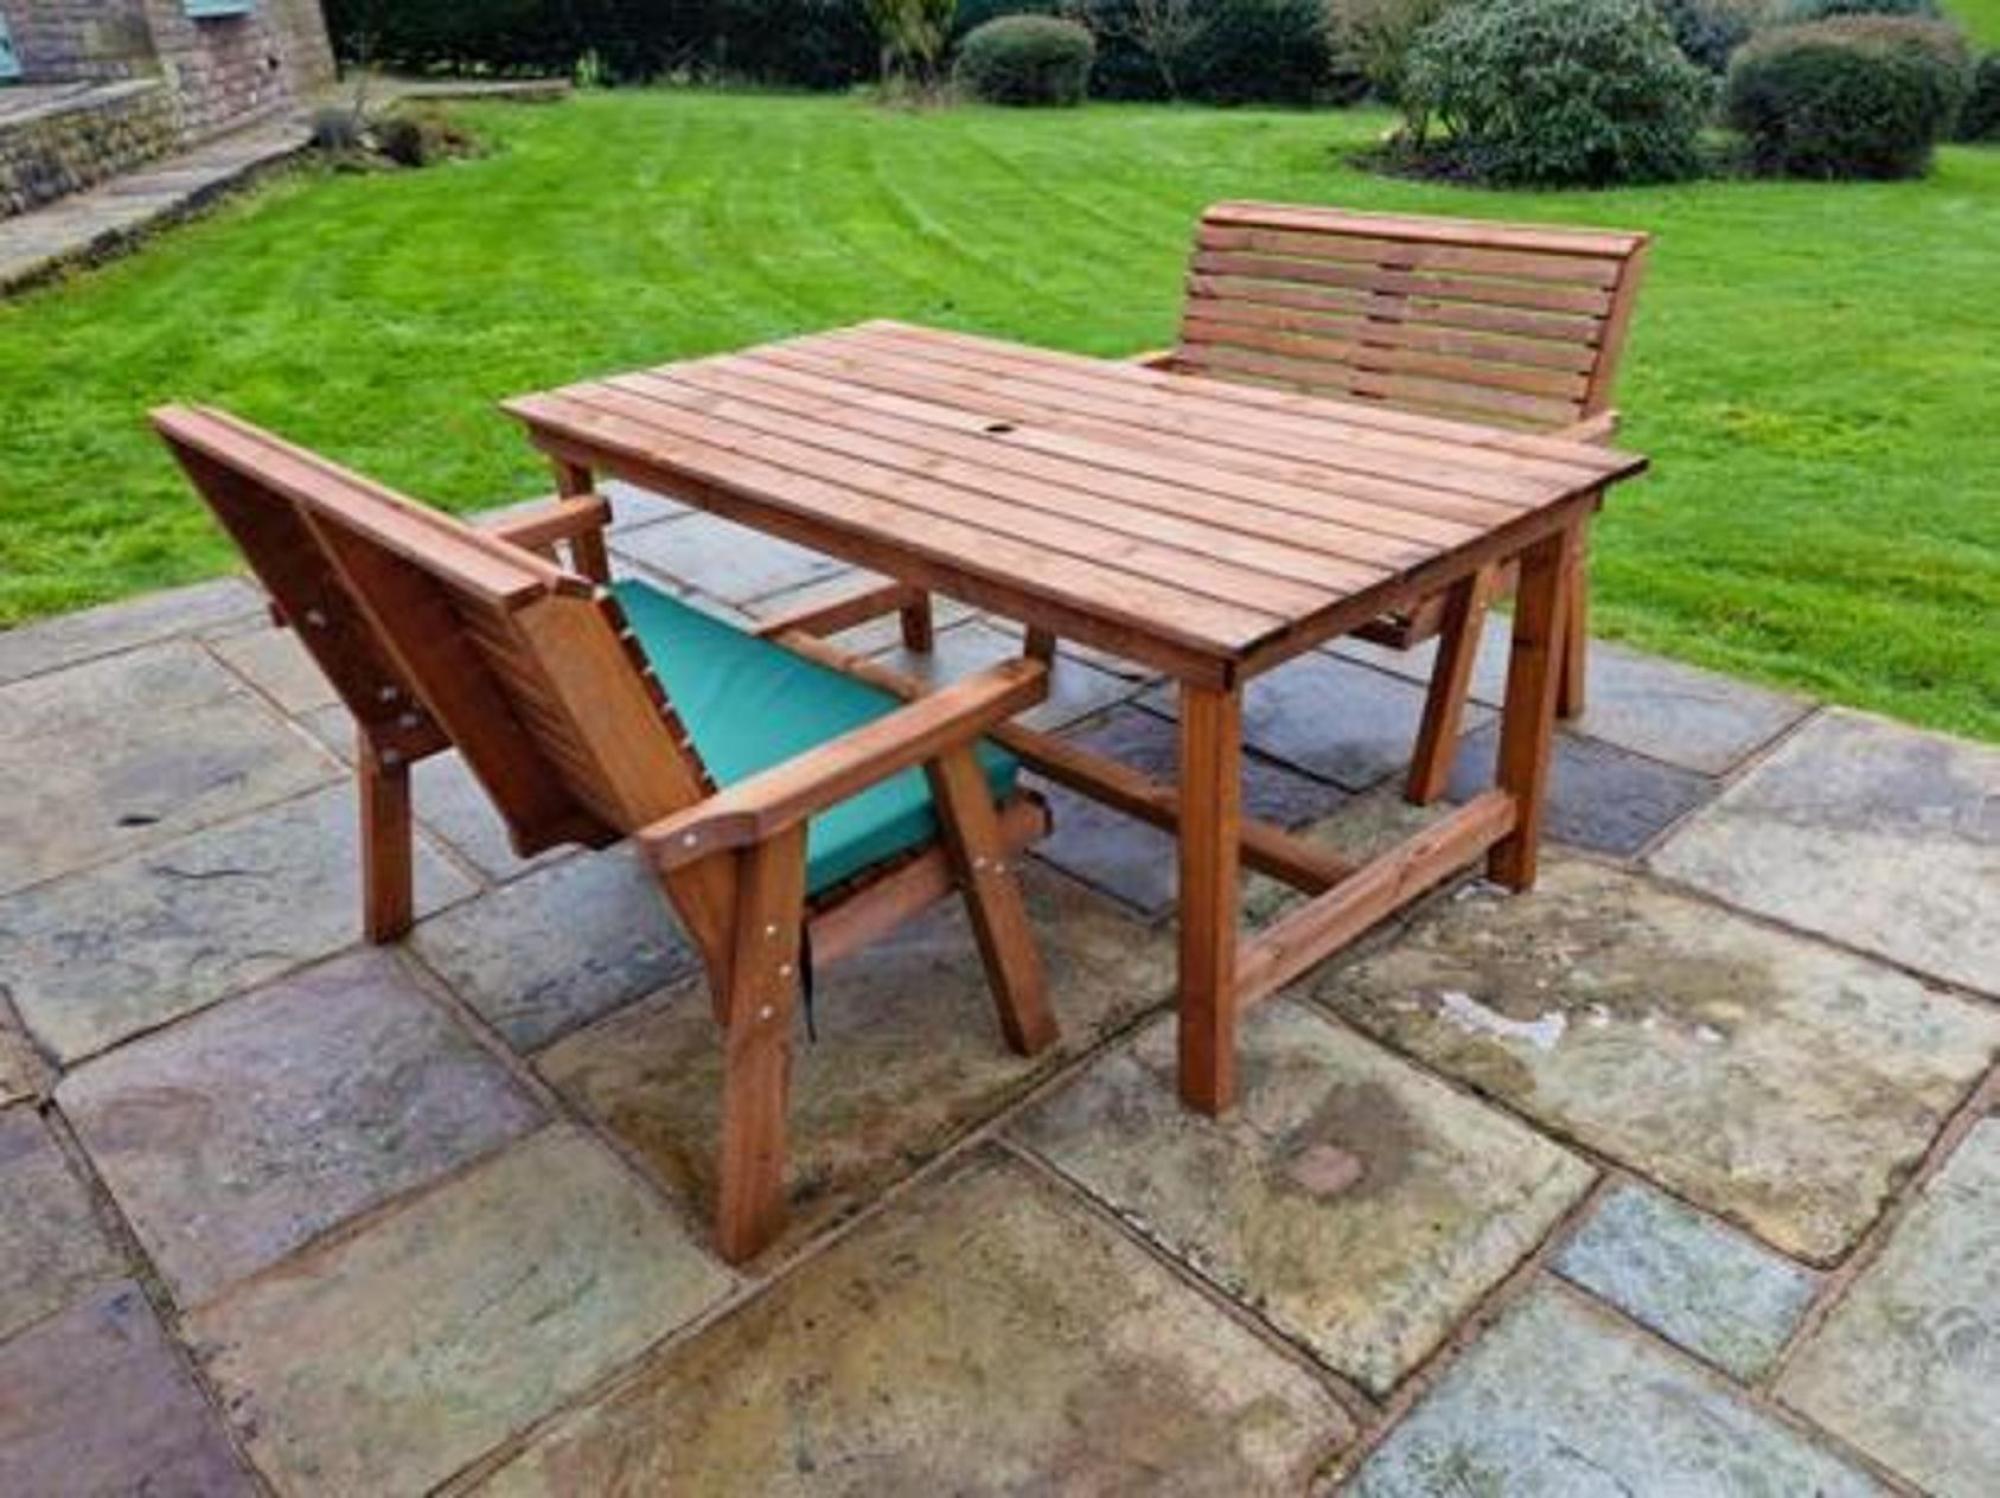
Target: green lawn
[1815, 369]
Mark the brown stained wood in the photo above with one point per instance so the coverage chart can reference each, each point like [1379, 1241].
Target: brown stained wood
[872, 910]
[1304, 937]
[1480, 366]
[388, 870]
[1431, 229]
[586, 548]
[757, 1049]
[1459, 634]
[1174, 519]
[971, 834]
[1572, 681]
[1211, 733]
[577, 521]
[1382, 327]
[1464, 400]
[1527, 723]
[1347, 237]
[917, 624]
[1416, 313]
[1144, 544]
[832, 615]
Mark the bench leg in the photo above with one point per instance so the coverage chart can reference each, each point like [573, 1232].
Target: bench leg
[1527, 723]
[919, 628]
[1451, 681]
[757, 1064]
[993, 901]
[1211, 803]
[388, 901]
[587, 550]
[1576, 640]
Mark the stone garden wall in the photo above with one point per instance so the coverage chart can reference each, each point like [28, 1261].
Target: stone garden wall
[72, 143]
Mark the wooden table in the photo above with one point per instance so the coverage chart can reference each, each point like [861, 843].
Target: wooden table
[1209, 530]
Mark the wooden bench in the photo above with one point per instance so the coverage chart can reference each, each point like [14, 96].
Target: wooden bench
[1512, 325]
[789, 811]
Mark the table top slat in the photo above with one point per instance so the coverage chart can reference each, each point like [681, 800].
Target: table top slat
[1201, 525]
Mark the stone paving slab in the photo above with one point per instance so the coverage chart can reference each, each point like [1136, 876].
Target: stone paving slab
[53, 1246]
[724, 560]
[1331, 718]
[1908, 1365]
[1134, 860]
[1764, 1076]
[447, 799]
[100, 956]
[130, 751]
[232, 1139]
[1692, 1280]
[1600, 798]
[632, 507]
[1559, 1402]
[989, 1334]
[909, 1055]
[1077, 689]
[384, 1362]
[273, 661]
[71, 639]
[97, 1402]
[1884, 837]
[559, 947]
[1359, 1206]
[20, 1070]
[1668, 711]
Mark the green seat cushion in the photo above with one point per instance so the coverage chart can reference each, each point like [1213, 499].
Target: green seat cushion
[749, 705]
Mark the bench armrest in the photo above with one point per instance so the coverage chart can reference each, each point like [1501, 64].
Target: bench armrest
[1153, 358]
[1598, 430]
[753, 810]
[557, 520]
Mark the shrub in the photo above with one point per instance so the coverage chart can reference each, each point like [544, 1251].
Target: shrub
[1374, 37]
[1980, 119]
[1260, 51]
[1859, 96]
[1707, 31]
[336, 128]
[1789, 11]
[1026, 60]
[1562, 92]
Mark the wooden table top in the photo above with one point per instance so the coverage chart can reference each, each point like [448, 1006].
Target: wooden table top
[1182, 521]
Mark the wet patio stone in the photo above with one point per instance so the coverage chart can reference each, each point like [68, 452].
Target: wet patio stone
[909, 1055]
[1882, 836]
[273, 661]
[1692, 1280]
[1600, 798]
[560, 946]
[632, 507]
[1360, 1206]
[987, 1335]
[127, 752]
[232, 1139]
[1076, 688]
[1556, 1399]
[1135, 860]
[447, 799]
[100, 956]
[1668, 711]
[1779, 1082]
[97, 1402]
[1331, 718]
[53, 1246]
[723, 559]
[70, 639]
[1908, 1365]
[384, 1362]
[20, 1071]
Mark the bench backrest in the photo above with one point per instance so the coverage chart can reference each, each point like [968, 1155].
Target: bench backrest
[427, 627]
[1520, 325]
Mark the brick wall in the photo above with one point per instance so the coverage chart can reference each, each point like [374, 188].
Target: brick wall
[69, 145]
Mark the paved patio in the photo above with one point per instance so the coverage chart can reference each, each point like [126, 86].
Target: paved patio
[1678, 1176]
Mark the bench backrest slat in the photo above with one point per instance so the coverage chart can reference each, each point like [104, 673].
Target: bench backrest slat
[1514, 324]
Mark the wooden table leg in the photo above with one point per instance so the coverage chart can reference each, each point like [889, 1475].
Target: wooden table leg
[1527, 724]
[1451, 682]
[587, 548]
[1211, 755]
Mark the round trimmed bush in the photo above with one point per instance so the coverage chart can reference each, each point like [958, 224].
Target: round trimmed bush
[1858, 96]
[1980, 119]
[1026, 60]
[1561, 92]
[1707, 31]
